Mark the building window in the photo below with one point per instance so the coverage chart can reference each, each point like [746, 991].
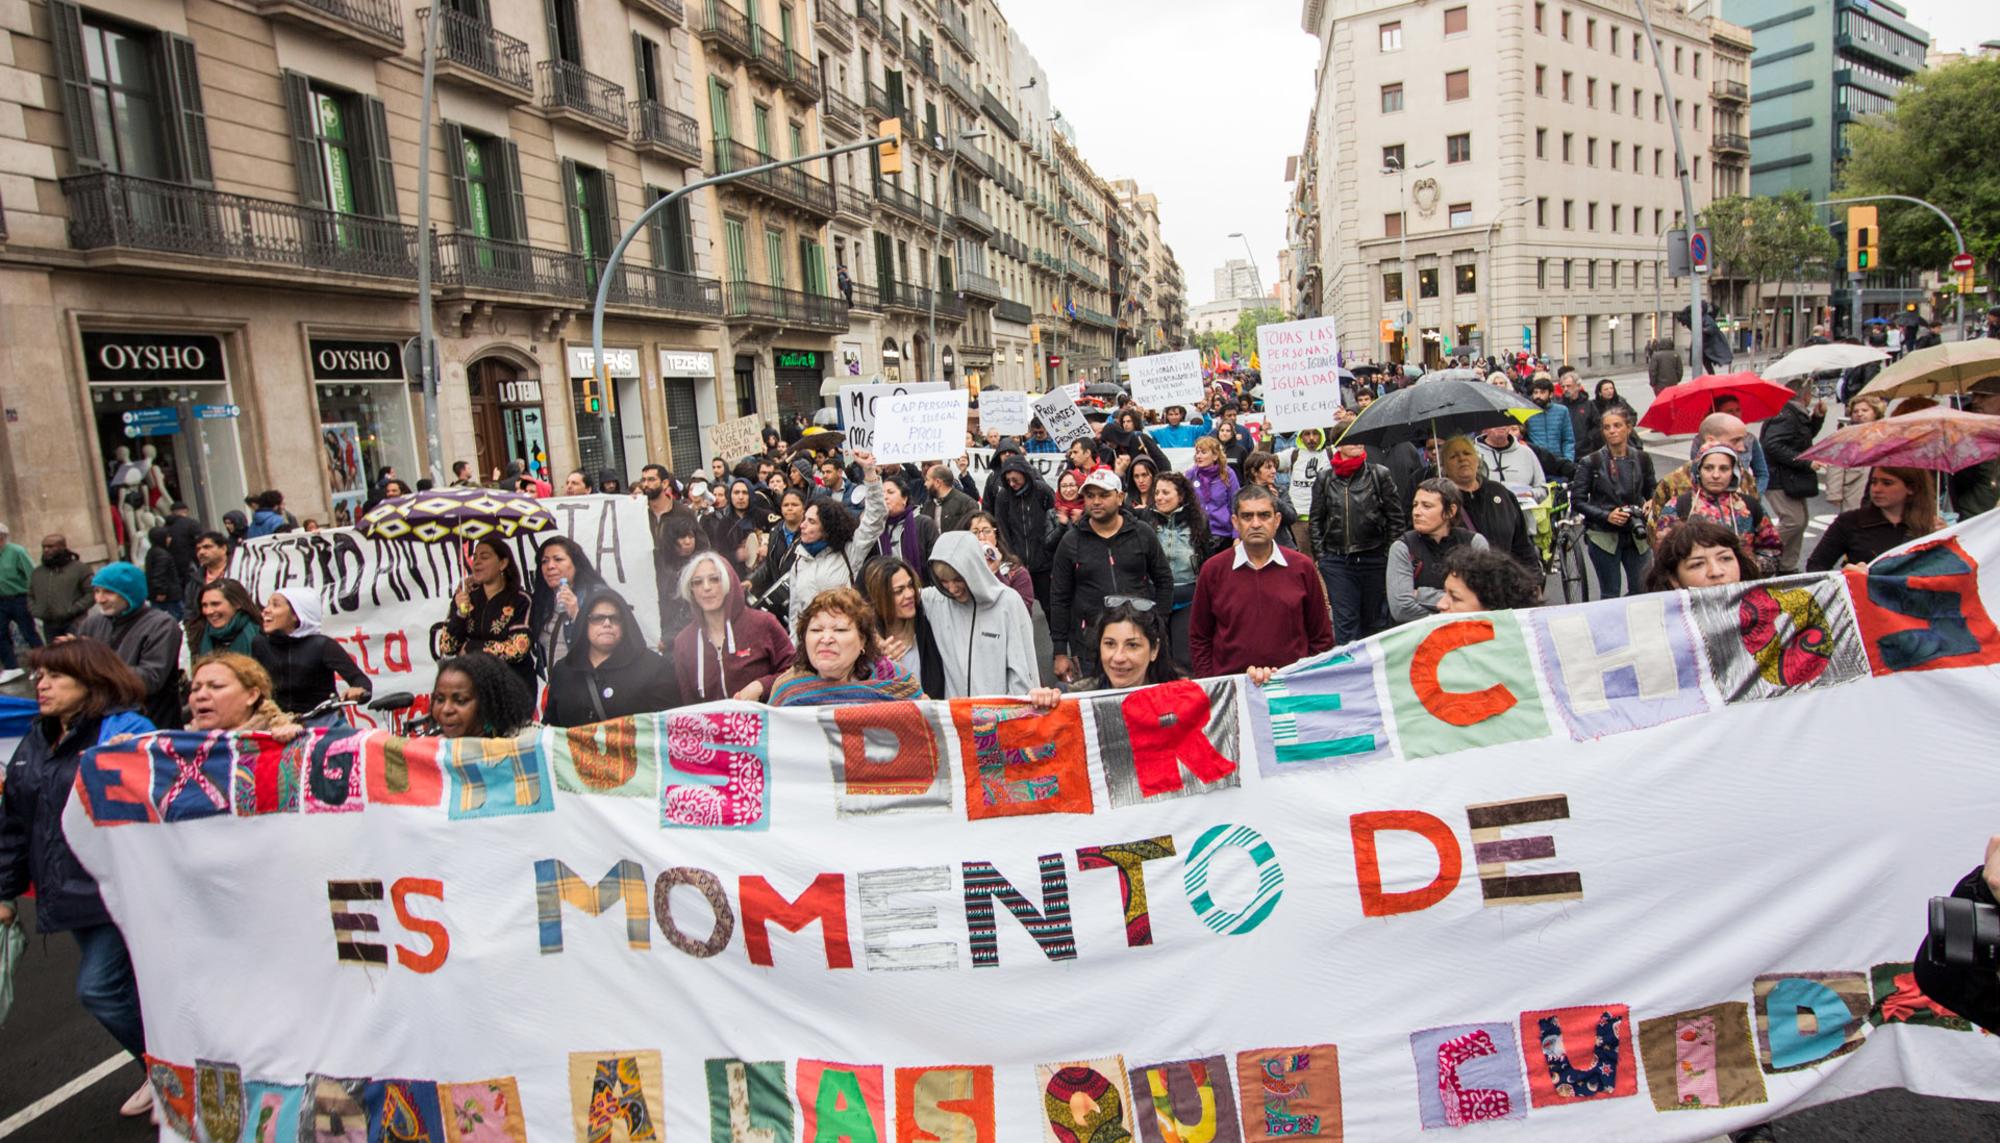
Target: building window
[1457, 86]
[1569, 141]
[1392, 286]
[1542, 211]
[1697, 116]
[1455, 23]
[1465, 278]
[1590, 274]
[1677, 59]
[1541, 17]
[1590, 150]
[125, 103]
[1427, 283]
[1697, 65]
[1392, 224]
[1569, 214]
[1460, 214]
[1541, 79]
[1568, 80]
[1636, 95]
[1566, 274]
[1541, 273]
[1458, 148]
[1659, 109]
[1541, 142]
[1656, 220]
[1590, 92]
[1614, 217]
[1565, 24]
[1614, 39]
[1636, 44]
[1392, 36]
[1392, 157]
[1392, 97]
[1659, 157]
[1590, 216]
[342, 149]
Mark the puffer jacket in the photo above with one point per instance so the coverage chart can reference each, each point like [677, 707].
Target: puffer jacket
[987, 644]
[1362, 513]
[33, 849]
[1215, 494]
[809, 573]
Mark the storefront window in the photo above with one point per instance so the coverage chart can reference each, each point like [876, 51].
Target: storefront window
[166, 428]
[364, 428]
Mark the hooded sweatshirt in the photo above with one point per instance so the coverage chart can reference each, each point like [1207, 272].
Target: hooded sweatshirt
[755, 647]
[987, 643]
[633, 679]
[303, 662]
[1024, 515]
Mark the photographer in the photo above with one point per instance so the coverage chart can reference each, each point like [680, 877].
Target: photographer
[1611, 485]
[1954, 965]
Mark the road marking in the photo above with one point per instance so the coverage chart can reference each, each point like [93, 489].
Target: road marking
[63, 1094]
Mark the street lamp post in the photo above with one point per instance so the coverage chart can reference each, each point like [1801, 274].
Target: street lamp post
[1403, 239]
[1695, 326]
[1489, 342]
[1256, 278]
[930, 349]
[426, 333]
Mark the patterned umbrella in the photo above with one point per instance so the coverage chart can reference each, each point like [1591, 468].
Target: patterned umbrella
[1681, 408]
[1948, 368]
[1935, 439]
[456, 513]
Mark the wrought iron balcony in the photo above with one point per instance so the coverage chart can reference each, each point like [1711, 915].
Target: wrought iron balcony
[473, 51]
[575, 95]
[720, 26]
[904, 298]
[649, 288]
[470, 263]
[869, 15]
[1729, 142]
[769, 57]
[1096, 318]
[972, 217]
[951, 22]
[1729, 91]
[920, 56]
[853, 204]
[753, 303]
[1013, 311]
[880, 104]
[979, 287]
[669, 10]
[959, 86]
[834, 25]
[865, 298]
[663, 131]
[892, 39]
[375, 25]
[840, 113]
[123, 212]
[796, 73]
[788, 185]
[925, 214]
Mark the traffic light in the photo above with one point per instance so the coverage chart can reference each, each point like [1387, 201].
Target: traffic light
[1862, 234]
[891, 153]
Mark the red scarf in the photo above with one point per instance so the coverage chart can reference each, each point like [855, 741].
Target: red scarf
[1345, 466]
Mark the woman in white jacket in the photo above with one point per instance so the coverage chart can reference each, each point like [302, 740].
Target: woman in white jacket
[981, 627]
[831, 548]
[1303, 462]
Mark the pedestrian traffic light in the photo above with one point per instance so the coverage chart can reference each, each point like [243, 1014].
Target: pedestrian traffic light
[1862, 233]
[891, 153]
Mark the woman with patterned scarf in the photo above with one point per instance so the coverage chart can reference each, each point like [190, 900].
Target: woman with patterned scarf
[839, 661]
[1716, 496]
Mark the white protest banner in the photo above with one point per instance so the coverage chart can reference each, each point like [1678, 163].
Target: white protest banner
[911, 427]
[1051, 464]
[1163, 380]
[735, 439]
[1004, 411]
[1060, 416]
[1301, 363]
[861, 404]
[1612, 871]
[386, 600]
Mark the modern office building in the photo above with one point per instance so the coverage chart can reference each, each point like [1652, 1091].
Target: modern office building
[209, 255]
[1238, 278]
[1486, 178]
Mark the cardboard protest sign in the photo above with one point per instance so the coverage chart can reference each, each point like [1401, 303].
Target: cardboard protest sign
[1004, 411]
[861, 404]
[921, 426]
[1060, 416]
[1163, 380]
[1506, 869]
[1301, 369]
[735, 439]
[1051, 464]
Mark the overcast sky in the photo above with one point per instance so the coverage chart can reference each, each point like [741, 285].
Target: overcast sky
[1201, 102]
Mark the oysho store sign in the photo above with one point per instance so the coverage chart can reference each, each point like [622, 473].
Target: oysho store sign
[617, 362]
[340, 360]
[130, 357]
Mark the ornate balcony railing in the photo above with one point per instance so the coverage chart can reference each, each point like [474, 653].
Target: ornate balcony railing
[470, 262]
[722, 26]
[478, 47]
[112, 211]
[1014, 312]
[903, 297]
[790, 185]
[1732, 142]
[647, 287]
[852, 203]
[838, 111]
[971, 214]
[865, 298]
[977, 285]
[661, 128]
[756, 303]
[833, 23]
[377, 23]
[567, 88]
[959, 86]
[1729, 91]
[952, 23]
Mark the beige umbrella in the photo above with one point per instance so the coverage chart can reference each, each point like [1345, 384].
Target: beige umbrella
[1949, 368]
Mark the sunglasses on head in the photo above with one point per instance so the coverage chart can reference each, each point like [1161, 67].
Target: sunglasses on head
[1135, 602]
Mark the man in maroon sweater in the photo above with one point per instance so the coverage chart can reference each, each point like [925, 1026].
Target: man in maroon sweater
[1252, 606]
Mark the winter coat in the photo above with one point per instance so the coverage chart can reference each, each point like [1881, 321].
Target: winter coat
[1857, 537]
[265, 522]
[1027, 517]
[1089, 567]
[150, 642]
[33, 849]
[1415, 578]
[163, 575]
[1215, 494]
[1361, 513]
[950, 512]
[808, 573]
[1785, 436]
[633, 679]
[1741, 512]
[59, 595]
[1515, 465]
[1604, 483]
[1552, 430]
[1185, 538]
[240, 635]
[1663, 368]
[304, 669]
[987, 644]
[895, 531]
[755, 648]
[1493, 512]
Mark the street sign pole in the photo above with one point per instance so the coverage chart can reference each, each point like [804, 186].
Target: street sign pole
[1695, 325]
[1854, 307]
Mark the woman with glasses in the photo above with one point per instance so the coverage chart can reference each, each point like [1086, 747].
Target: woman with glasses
[609, 671]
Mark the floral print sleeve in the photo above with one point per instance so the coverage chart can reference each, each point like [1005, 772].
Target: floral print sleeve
[504, 631]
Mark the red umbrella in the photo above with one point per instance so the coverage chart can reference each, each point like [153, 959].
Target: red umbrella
[1680, 408]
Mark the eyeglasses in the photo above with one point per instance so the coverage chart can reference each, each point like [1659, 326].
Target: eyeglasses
[1135, 602]
[604, 620]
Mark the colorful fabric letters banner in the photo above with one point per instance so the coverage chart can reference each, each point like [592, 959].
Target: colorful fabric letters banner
[1644, 869]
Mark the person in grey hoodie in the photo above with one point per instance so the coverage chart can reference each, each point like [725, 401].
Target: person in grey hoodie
[980, 625]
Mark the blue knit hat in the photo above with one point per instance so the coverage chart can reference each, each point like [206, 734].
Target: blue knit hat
[125, 579]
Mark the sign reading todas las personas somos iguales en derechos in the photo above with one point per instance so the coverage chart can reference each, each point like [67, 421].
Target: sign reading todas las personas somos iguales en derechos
[1611, 871]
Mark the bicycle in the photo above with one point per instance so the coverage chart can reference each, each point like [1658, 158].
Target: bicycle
[1559, 539]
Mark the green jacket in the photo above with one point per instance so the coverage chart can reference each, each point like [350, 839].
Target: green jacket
[59, 595]
[15, 568]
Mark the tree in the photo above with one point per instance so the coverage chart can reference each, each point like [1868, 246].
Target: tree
[1937, 144]
[1770, 239]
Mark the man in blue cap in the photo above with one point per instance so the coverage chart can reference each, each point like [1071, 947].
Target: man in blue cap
[148, 639]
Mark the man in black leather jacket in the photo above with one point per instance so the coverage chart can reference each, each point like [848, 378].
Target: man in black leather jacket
[1357, 512]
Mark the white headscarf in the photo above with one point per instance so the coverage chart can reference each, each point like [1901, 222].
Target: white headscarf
[307, 606]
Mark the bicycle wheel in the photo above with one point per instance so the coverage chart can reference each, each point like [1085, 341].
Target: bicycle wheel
[1572, 566]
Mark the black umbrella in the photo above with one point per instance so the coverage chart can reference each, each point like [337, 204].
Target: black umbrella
[1437, 409]
[1104, 389]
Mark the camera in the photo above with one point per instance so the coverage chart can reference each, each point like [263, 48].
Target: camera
[1964, 934]
[1635, 520]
